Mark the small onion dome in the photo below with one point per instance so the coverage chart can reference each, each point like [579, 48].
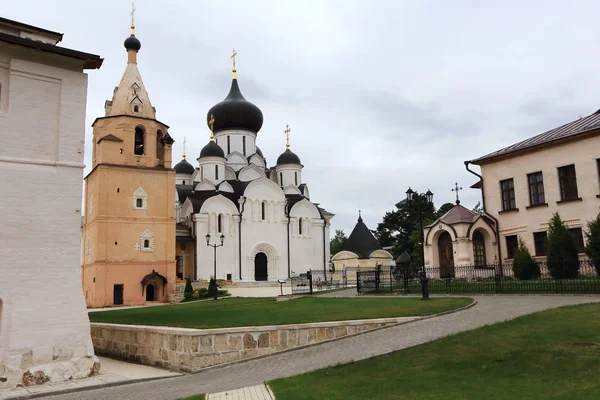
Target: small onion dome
[288, 157]
[259, 152]
[212, 149]
[235, 112]
[184, 167]
[132, 43]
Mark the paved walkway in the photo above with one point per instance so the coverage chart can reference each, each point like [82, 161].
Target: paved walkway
[489, 310]
[111, 372]
[258, 392]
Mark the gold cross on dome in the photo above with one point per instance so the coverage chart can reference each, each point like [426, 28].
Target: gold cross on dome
[456, 189]
[211, 125]
[183, 155]
[287, 136]
[132, 18]
[233, 68]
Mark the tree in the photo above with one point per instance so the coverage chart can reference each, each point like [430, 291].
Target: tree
[397, 226]
[563, 258]
[444, 209]
[524, 265]
[478, 209]
[336, 244]
[212, 287]
[593, 242]
[188, 291]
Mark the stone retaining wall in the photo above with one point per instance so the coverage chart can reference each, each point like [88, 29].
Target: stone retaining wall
[193, 349]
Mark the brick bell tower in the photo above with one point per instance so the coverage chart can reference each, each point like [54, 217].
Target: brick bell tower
[129, 226]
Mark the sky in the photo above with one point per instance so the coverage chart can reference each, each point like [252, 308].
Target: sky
[379, 95]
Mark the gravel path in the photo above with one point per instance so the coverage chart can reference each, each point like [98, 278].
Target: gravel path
[489, 310]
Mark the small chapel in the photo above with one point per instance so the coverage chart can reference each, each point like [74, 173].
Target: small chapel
[149, 225]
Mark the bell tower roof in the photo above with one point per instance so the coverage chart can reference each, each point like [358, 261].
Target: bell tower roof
[131, 97]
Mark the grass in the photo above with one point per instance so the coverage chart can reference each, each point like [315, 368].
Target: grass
[553, 354]
[266, 311]
[196, 397]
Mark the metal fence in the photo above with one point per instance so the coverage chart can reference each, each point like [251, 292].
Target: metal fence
[315, 281]
[539, 277]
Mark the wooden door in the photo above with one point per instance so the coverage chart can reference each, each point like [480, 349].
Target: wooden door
[446, 253]
[118, 294]
[260, 267]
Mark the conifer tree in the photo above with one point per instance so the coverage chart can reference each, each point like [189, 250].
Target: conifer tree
[563, 258]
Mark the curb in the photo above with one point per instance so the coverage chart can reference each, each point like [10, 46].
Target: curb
[220, 366]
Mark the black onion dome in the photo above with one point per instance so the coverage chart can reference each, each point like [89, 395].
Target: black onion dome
[184, 167]
[212, 150]
[288, 157]
[235, 112]
[133, 43]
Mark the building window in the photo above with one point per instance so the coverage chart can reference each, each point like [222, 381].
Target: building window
[568, 183]
[228, 145]
[146, 243]
[296, 178]
[263, 210]
[299, 226]
[540, 240]
[578, 236]
[160, 148]
[281, 178]
[598, 166]
[536, 189]
[140, 199]
[138, 146]
[201, 173]
[216, 172]
[507, 187]
[512, 244]
[244, 144]
[479, 249]
[139, 203]
[136, 108]
[220, 223]
[180, 266]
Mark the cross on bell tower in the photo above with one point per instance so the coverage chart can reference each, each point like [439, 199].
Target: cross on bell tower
[287, 136]
[456, 189]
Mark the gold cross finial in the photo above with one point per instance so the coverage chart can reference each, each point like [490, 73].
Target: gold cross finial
[287, 136]
[233, 69]
[132, 18]
[183, 155]
[211, 124]
[456, 189]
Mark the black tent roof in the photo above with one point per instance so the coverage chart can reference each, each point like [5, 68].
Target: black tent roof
[361, 240]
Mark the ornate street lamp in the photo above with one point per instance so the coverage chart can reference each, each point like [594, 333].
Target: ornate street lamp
[214, 246]
[410, 194]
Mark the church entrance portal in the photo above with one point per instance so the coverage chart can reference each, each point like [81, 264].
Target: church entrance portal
[260, 267]
[150, 292]
[446, 256]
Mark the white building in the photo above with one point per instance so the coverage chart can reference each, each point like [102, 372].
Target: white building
[44, 328]
[270, 227]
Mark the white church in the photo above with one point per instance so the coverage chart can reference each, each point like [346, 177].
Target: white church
[262, 215]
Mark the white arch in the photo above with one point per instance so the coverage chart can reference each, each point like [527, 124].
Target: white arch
[254, 190]
[205, 185]
[344, 255]
[250, 173]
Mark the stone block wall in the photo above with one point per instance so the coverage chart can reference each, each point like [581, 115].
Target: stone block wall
[193, 349]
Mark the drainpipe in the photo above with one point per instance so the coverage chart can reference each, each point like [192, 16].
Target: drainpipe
[242, 207]
[287, 213]
[324, 249]
[489, 215]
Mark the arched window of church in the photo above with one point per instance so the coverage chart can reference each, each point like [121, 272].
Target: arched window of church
[216, 172]
[146, 243]
[160, 149]
[184, 181]
[263, 210]
[228, 145]
[201, 173]
[296, 178]
[281, 178]
[138, 145]
[136, 108]
[479, 249]
[220, 223]
[139, 203]
[244, 144]
[299, 226]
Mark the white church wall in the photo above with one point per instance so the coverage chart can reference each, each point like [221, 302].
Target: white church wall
[32, 335]
[243, 142]
[290, 173]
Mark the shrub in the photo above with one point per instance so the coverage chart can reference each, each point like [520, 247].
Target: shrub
[524, 265]
[188, 291]
[212, 287]
[203, 293]
[563, 258]
[593, 242]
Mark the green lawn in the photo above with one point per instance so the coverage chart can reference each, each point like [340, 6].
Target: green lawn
[266, 311]
[196, 397]
[553, 354]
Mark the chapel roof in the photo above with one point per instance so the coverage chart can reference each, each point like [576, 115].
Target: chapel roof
[361, 241]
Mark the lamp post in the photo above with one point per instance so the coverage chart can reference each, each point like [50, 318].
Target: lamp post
[214, 246]
[410, 194]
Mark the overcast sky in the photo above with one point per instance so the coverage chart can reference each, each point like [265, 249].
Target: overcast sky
[380, 95]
